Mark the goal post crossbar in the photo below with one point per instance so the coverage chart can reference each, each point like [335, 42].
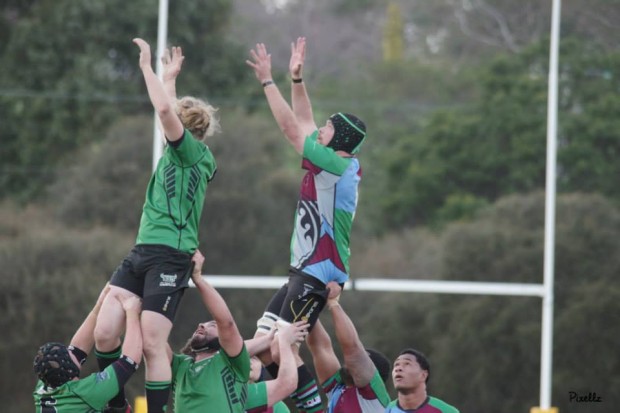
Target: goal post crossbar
[388, 284]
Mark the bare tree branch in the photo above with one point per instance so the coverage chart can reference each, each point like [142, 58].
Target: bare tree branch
[500, 20]
[502, 37]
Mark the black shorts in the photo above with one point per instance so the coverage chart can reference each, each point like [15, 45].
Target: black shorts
[301, 298]
[159, 274]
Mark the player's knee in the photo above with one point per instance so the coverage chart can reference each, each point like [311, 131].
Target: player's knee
[153, 348]
[106, 335]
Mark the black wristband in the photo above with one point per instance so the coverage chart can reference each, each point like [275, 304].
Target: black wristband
[267, 83]
[297, 80]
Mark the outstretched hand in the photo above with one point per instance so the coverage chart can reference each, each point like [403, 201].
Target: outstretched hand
[298, 56]
[261, 62]
[289, 334]
[333, 297]
[172, 61]
[334, 290]
[294, 333]
[198, 260]
[145, 52]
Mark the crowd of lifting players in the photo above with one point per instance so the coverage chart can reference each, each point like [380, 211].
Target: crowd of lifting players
[217, 370]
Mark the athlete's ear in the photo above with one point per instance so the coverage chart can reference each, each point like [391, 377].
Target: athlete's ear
[425, 373]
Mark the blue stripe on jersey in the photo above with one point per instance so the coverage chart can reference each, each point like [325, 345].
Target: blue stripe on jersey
[326, 228]
[346, 188]
[323, 269]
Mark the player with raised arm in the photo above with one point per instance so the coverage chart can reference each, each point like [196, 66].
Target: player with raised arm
[326, 206]
[60, 388]
[158, 267]
[358, 386]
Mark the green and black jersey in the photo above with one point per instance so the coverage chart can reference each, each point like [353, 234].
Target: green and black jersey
[175, 195]
[87, 395]
[217, 384]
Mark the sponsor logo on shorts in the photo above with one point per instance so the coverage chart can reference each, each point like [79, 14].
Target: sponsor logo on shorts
[307, 289]
[165, 307]
[310, 311]
[168, 280]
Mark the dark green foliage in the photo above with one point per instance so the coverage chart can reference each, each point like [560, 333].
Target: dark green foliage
[51, 277]
[586, 327]
[497, 145]
[66, 86]
[69, 73]
[105, 183]
[249, 204]
[248, 216]
[485, 351]
[501, 353]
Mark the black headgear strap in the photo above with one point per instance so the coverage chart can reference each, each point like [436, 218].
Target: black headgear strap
[54, 366]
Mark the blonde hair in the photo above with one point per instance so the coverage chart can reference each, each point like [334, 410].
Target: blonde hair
[198, 117]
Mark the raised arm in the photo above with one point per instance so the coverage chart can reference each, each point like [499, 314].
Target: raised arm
[282, 112]
[356, 359]
[286, 382]
[84, 337]
[172, 60]
[260, 343]
[229, 336]
[132, 344]
[325, 361]
[299, 95]
[162, 103]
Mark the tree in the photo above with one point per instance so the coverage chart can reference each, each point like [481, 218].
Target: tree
[70, 69]
[472, 31]
[496, 146]
[587, 317]
[51, 277]
[89, 193]
[250, 204]
[505, 244]
[486, 342]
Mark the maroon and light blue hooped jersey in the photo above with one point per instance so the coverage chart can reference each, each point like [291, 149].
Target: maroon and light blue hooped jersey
[325, 212]
[372, 398]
